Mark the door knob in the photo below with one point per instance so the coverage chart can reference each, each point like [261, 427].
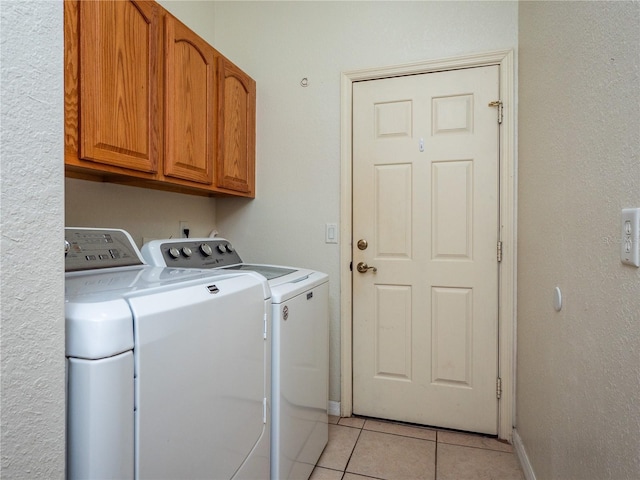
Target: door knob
[363, 267]
[362, 244]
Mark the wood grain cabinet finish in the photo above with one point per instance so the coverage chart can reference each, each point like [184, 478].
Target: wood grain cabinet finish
[190, 108]
[121, 84]
[235, 168]
[150, 103]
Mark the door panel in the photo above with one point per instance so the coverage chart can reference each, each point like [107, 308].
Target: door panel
[425, 197]
[452, 217]
[452, 317]
[190, 121]
[393, 218]
[120, 110]
[393, 331]
[235, 165]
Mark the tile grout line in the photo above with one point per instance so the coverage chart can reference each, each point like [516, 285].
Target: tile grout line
[362, 429]
[437, 441]
[353, 450]
[476, 447]
[435, 458]
[399, 435]
[344, 472]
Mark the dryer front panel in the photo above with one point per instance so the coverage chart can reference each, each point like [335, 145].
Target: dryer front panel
[201, 387]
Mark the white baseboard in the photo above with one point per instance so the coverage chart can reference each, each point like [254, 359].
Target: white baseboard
[523, 457]
[334, 408]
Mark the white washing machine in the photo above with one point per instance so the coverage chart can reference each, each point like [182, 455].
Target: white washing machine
[300, 347]
[168, 369]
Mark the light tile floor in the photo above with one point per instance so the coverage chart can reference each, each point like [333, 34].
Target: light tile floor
[362, 448]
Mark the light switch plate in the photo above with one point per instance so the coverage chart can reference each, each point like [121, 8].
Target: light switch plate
[630, 237]
[331, 233]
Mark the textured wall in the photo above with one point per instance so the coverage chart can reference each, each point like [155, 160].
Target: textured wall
[298, 129]
[578, 408]
[31, 263]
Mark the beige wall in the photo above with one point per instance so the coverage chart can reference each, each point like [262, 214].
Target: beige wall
[298, 129]
[144, 213]
[198, 15]
[578, 391]
[32, 412]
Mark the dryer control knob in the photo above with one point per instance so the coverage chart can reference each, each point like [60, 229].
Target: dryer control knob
[206, 250]
[174, 252]
[229, 248]
[186, 251]
[222, 248]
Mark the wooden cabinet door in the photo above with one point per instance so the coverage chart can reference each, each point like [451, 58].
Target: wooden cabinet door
[190, 107]
[235, 165]
[121, 84]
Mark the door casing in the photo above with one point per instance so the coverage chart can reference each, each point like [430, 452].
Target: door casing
[508, 196]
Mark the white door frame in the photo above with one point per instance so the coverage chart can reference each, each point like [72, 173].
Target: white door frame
[508, 185]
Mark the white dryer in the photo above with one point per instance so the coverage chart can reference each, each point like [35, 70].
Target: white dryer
[300, 347]
[168, 369]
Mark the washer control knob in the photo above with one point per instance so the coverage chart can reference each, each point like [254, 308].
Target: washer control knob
[222, 248]
[229, 248]
[67, 247]
[206, 250]
[186, 251]
[174, 252]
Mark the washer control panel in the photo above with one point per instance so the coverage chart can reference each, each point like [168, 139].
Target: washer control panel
[191, 253]
[89, 249]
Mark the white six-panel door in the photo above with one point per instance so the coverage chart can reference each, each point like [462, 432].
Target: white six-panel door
[425, 200]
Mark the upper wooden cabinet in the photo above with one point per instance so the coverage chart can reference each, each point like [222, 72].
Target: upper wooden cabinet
[190, 108]
[237, 130]
[149, 102]
[113, 85]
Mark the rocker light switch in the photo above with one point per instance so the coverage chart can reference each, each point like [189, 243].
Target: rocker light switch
[630, 238]
[331, 233]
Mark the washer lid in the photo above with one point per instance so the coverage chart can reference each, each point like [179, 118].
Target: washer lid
[285, 282]
[282, 291]
[270, 272]
[99, 322]
[99, 285]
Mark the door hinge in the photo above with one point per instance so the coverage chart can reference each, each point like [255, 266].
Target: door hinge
[498, 387]
[499, 252]
[500, 106]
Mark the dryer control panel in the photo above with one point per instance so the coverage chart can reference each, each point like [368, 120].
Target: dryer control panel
[191, 253]
[89, 249]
